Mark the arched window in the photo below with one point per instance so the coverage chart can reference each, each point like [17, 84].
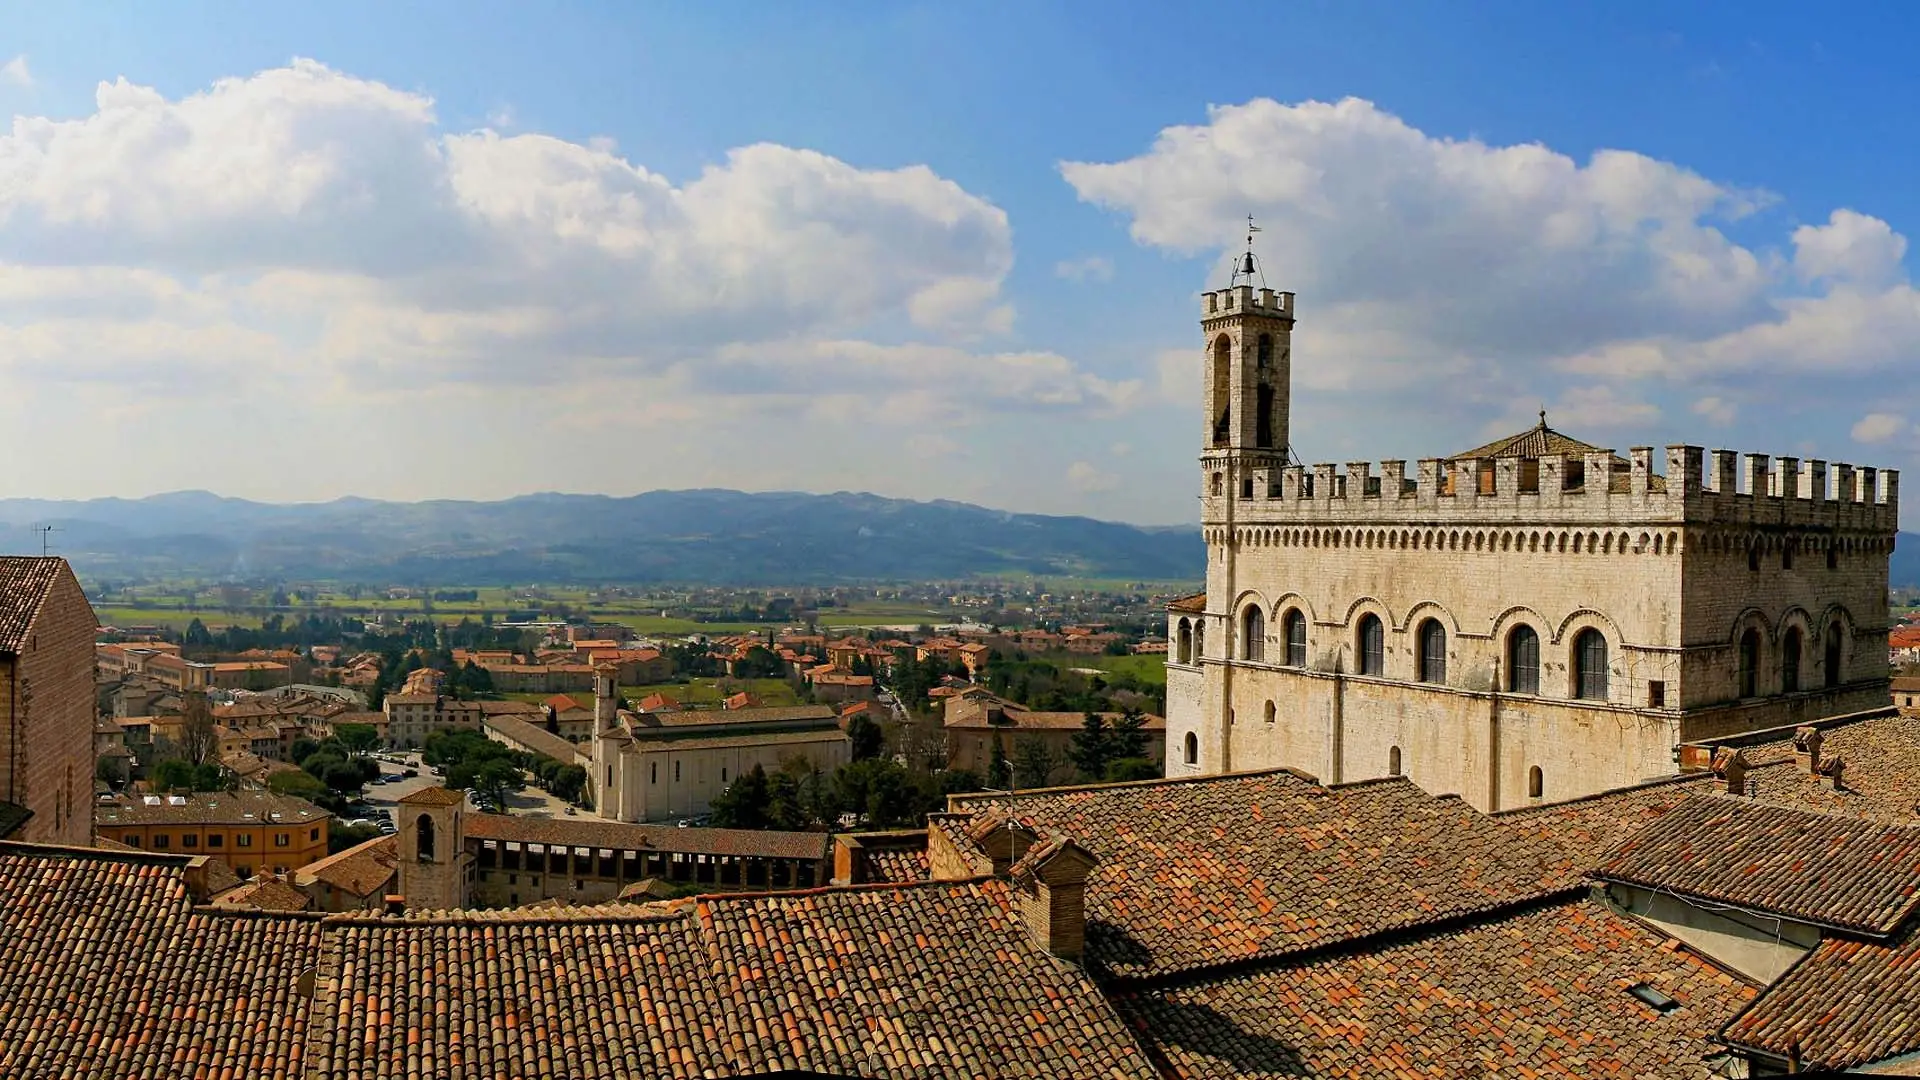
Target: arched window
[1295, 625]
[1536, 783]
[1263, 396]
[1393, 762]
[1253, 634]
[1523, 660]
[1786, 555]
[1833, 556]
[1373, 646]
[1269, 712]
[1185, 652]
[1222, 390]
[1433, 652]
[1834, 659]
[1753, 558]
[423, 837]
[1749, 664]
[1193, 748]
[1590, 665]
[1790, 661]
[1199, 639]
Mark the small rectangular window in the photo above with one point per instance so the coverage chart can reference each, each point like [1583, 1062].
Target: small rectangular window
[216, 840]
[161, 841]
[243, 840]
[1657, 694]
[281, 840]
[189, 840]
[313, 833]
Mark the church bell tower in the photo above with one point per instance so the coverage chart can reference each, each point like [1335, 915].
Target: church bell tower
[1248, 332]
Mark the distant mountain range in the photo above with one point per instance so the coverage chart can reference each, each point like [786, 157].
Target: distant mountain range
[710, 536]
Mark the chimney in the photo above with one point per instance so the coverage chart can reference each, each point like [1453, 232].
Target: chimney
[1806, 750]
[1051, 883]
[1833, 770]
[395, 904]
[1003, 839]
[1730, 765]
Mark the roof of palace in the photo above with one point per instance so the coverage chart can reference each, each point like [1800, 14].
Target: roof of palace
[1537, 441]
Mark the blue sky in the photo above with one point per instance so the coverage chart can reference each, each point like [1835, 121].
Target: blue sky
[935, 251]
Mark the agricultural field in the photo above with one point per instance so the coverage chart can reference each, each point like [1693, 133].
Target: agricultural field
[695, 692]
[1149, 668]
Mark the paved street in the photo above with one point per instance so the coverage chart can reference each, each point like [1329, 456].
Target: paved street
[529, 802]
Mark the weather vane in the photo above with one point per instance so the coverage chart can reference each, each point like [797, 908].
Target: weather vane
[1245, 266]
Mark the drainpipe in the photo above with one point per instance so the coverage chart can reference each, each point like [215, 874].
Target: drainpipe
[1336, 754]
[1493, 741]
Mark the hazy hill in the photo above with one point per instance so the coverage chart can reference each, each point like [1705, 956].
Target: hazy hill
[724, 537]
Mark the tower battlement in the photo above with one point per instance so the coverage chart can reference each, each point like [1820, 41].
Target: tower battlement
[1246, 300]
[1697, 487]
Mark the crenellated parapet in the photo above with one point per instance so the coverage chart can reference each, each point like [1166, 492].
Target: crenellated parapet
[1696, 487]
[1246, 300]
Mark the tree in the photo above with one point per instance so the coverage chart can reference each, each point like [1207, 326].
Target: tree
[866, 737]
[569, 782]
[1130, 735]
[998, 776]
[744, 804]
[498, 778]
[300, 784]
[1092, 747]
[175, 774]
[358, 739]
[198, 743]
[1033, 763]
[1132, 768]
[341, 836]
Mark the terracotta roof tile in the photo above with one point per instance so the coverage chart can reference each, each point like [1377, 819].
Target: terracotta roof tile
[24, 585]
[1189, 604]
[1541, 993]
[264, 893]
[1200, 872]
[434, 796]
[106, 969]
[587, 832]
[1833, 871]
[1847, 1003]
[362, 870]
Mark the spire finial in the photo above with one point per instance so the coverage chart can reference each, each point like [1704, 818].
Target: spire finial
[1245, 264]
[1543, 417]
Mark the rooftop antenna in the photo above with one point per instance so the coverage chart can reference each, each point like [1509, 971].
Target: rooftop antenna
[1248, 265]
[44, 530]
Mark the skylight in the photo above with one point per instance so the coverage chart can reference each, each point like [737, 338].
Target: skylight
[1653, 998]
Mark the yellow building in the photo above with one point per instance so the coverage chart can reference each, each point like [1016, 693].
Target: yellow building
[248, 830]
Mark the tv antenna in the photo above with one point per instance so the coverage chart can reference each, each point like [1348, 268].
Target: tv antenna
[45, 537]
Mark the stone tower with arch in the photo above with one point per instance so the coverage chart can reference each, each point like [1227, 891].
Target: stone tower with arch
[1531, 620]
[435, 868]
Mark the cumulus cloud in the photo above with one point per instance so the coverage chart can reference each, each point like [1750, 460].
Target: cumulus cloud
[1088, 268]
[1443, 277]
[15, 72]
[1717, 410]
[334, 219]
[1879, 427]
[1082, 476]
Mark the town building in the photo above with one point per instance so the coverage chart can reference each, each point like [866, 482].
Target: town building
[1534, 619]
[47, 701]
[249, 830]
[979, 725]
[657, 766]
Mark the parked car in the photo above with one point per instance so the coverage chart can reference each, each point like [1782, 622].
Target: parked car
[410, 772]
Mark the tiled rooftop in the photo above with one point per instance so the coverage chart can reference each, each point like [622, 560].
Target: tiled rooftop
[771, 714]
[106, 970]
[247, 807]
[1848, 1003]
[1881, 779]
[1848, 873]
[24, 584]
[847, 982]
[1541, 993]
[595, 833]
[1195, 873]
[360, 870]
[264, 893]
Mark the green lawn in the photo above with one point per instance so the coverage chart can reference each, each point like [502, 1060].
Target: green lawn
[1149, 669]
[696, 692]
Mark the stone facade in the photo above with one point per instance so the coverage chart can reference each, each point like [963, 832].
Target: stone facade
[1531, 621]
[47, 700]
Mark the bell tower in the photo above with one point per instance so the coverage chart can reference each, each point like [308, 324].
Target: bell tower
[1248, 334]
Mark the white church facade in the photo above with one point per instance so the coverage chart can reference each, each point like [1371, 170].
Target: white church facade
[1532, 620]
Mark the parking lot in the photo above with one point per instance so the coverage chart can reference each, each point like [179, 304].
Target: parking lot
[529, 802]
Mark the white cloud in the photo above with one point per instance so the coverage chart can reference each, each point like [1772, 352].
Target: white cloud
[1444, 281]
[1717, 410]
[16, 72]
[501, 118]
[332, 215]
[1082, 476]
[1088, 268]
[1879, 427]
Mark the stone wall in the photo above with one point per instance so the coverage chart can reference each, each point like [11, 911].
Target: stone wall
[49, 694]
